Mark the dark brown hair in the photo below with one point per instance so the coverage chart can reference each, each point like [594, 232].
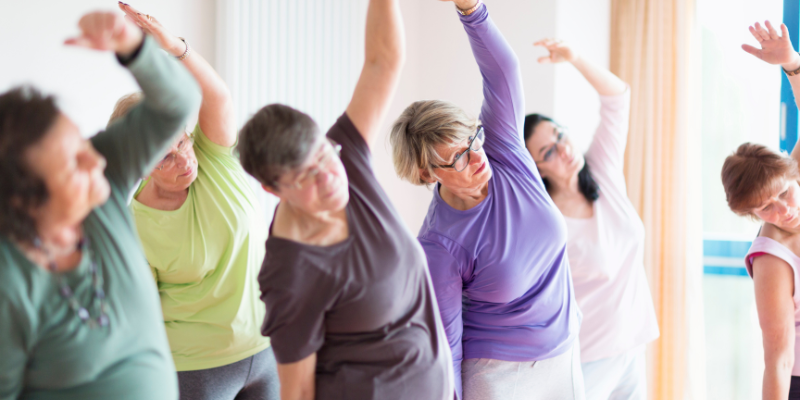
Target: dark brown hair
[752, 174]
[275, 140]
[25, 117]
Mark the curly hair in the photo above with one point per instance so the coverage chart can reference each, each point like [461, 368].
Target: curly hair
[25, 117]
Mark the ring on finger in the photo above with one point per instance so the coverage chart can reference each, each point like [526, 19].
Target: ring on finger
[149, 17]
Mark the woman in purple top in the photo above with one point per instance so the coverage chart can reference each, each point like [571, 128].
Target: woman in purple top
[495, 242]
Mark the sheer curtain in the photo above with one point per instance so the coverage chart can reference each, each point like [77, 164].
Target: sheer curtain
[652, 50]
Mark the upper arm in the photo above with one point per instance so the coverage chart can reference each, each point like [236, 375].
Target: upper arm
[383, 62]
[503, 109]
[773, 279]
[297, 379]
[13, 350]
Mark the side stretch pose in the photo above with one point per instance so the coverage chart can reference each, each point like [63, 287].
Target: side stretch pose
[763, 184]
[350, 308]
[203, 232]
[79, 314]
[494, 240]
[605, 236]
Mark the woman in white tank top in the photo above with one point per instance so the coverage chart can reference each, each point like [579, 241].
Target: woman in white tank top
[763, 184]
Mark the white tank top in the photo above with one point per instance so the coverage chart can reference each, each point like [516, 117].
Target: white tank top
[765, 245]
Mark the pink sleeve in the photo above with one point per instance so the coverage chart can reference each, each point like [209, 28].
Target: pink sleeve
[606, 154]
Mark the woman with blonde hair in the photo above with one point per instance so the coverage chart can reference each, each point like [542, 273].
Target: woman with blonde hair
[762, 184]
[203, 232]
[495, 242]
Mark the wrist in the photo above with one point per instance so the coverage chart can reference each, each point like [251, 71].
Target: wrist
[130, 40]
[792, 65]
[176, 47]
[465, 5]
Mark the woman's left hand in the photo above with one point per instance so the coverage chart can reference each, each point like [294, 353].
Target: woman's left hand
[559, 51]
[153, 27]
[775, 49]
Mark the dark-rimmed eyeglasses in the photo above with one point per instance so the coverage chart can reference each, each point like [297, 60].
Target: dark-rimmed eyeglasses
[560, 133]
[184, 145]
[462, 159]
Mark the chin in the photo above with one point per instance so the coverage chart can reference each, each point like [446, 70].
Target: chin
[100, 192]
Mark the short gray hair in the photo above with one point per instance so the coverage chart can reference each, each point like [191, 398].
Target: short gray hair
[124, 104]
[276, 140]
[423, 125]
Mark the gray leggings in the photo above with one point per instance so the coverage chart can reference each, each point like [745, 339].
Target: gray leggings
[254, 378]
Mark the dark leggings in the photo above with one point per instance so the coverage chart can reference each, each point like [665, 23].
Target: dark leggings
[254, 378]
[794, 389]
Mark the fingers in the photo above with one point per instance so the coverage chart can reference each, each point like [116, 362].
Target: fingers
[773, 34]
[752, 50]
[784, 32]
[762, 33]
[545, 60]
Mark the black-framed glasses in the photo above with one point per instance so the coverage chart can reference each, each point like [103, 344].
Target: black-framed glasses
[560, 134]
[462, 159]
[312, 172]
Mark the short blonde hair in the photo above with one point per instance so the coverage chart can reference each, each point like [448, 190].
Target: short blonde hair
[124, 104]
[423, 125]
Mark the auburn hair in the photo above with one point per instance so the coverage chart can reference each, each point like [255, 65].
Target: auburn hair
[753, 174]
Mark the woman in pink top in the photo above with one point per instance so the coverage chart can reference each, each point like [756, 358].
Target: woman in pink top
[763, 184]
[605, 236]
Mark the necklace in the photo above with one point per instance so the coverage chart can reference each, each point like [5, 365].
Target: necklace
[98, 297]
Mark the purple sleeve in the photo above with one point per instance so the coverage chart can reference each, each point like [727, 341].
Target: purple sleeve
[502, 113]
[447, 286]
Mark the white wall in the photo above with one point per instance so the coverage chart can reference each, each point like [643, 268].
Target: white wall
[439, 62]
[87, 83]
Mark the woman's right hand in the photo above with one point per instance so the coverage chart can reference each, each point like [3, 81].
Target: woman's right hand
[464, 4]
[153, 27]
[102, 30]
[776, 50]
[559, 51]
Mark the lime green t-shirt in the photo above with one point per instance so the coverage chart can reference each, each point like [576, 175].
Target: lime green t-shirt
[206, 256]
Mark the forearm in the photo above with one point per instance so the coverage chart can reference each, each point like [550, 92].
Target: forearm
[216, 117]
[297, 379]
[777, 379]
[385, 42]
[794, 81]
[601, 79]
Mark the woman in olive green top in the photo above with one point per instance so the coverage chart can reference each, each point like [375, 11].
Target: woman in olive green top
[79, 314]
[203, 233]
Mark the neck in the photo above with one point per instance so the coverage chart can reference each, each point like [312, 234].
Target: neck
[564, 187]
[169, 194]
[57, 240]
[305, 220]
[464, 198]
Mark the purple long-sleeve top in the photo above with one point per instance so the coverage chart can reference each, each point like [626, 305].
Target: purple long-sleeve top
[500, 269]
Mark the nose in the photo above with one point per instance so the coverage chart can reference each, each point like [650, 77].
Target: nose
[781, 208]
[564, 150]
[182, 160]
[91, 159]
[476, 156]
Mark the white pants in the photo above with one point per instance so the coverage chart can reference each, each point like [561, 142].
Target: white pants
[557, 378]
[621, 377]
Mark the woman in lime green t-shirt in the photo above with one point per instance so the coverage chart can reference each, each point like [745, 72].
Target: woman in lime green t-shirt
[203, 234]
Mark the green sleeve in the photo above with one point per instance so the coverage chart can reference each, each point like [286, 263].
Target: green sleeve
[14, 358]
[132, 144]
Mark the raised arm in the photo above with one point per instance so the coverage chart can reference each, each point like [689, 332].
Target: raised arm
[777, 50]
[216, 118]
[601, 79]
[774, 284]
[132, 143]
[383, 61]
[503, 110]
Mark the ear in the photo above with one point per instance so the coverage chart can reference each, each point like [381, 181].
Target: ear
[270, 190]
[425, 175]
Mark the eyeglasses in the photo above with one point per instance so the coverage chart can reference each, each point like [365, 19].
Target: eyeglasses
[461, 162]
[560, 135]
[310, 174]
[184, 145]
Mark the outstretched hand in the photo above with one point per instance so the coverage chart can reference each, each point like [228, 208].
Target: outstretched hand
[153, 27]
[463, 4]
[775, 49]
[102, 30]
[559, 51]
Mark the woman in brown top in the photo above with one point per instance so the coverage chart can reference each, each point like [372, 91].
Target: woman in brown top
[350, 307]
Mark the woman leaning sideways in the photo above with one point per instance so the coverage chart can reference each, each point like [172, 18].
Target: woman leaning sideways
[605, 236]
[203, 232]
[495, 242]
[762, 184]
[350, 308]
[79, 314]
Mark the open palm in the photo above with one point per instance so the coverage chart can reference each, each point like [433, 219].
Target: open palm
[775, 49]
[153, 27]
